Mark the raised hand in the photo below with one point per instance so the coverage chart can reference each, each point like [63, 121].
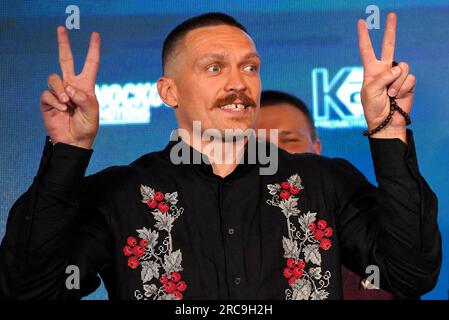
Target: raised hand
[69, 107]
[381, 81]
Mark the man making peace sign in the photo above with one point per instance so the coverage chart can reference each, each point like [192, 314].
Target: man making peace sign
[379, 76]
[162, 229]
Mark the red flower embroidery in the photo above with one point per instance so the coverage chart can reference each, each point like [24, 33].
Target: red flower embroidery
[288, 273]
[318, 234]
[175, 276]
[304, 241]
[174, 285]
[297, 273]
[163, 279]
[127, 251]
[131, 241]
[156, 201]
[294, 190]
[138, 251]
[294, 270]
[143, 243]
[312, 226]
[323, 233]
[284, 194]
[153, 247]
[291, 263]
[322, 224]
[158, 196]
[134, 251]
[163, 207]
[170, 287]
[285, 185]
[328, 232]
[133, 262]
[152, 203]
[325, 244]
[182, 286]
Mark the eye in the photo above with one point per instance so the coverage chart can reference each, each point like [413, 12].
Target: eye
[291, 140]
[251, 68]
[214, 68]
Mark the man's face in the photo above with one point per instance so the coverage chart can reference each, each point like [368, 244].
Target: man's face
[295, 135]
[217, 79]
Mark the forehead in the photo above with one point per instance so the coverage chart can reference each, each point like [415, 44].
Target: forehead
[221, 39]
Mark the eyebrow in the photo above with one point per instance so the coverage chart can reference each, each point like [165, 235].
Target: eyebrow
[251, 55]
[219, 56]
[290, 132]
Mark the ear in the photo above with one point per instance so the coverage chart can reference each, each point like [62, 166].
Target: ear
[167, 91]
[317, 146]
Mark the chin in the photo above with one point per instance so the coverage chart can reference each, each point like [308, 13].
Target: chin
[238, 125]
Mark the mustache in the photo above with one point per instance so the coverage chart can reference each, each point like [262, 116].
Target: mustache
[247, 101]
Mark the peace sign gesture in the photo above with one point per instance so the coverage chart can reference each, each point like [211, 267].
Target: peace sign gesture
[381, 81]
[69, 107]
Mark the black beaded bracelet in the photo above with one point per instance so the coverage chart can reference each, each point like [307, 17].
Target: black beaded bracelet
[393, 107]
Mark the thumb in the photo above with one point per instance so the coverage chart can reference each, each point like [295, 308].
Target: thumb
[78, 97]
[385, 78]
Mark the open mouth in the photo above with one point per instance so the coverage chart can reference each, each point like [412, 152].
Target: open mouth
[234, 106]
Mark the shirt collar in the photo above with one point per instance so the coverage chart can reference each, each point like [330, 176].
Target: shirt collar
[195, 159]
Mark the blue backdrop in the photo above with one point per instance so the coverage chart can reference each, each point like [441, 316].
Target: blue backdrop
[308, 48]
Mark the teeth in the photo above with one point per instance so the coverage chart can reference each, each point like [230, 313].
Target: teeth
[233, 107]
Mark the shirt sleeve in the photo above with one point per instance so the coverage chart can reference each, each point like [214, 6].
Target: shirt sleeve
[51, 236]
[392, 227]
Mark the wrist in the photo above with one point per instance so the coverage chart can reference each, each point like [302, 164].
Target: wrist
[394, 129]
[392, 132]
[84, 144]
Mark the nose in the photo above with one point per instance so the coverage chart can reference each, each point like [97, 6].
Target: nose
[235, 82]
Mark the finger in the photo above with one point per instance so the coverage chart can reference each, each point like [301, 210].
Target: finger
[389, 40]
[407, 87]
[366, 48]
[56, 86]
[77, 96]
[378, 85]
[93, 56]
[65, 53]
[396, 85]
[50, 101]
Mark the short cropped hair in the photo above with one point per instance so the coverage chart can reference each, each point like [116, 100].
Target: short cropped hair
[204, 20]
[273, 97]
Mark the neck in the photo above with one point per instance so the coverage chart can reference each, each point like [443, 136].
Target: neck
[223, 170]
[223, 154]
